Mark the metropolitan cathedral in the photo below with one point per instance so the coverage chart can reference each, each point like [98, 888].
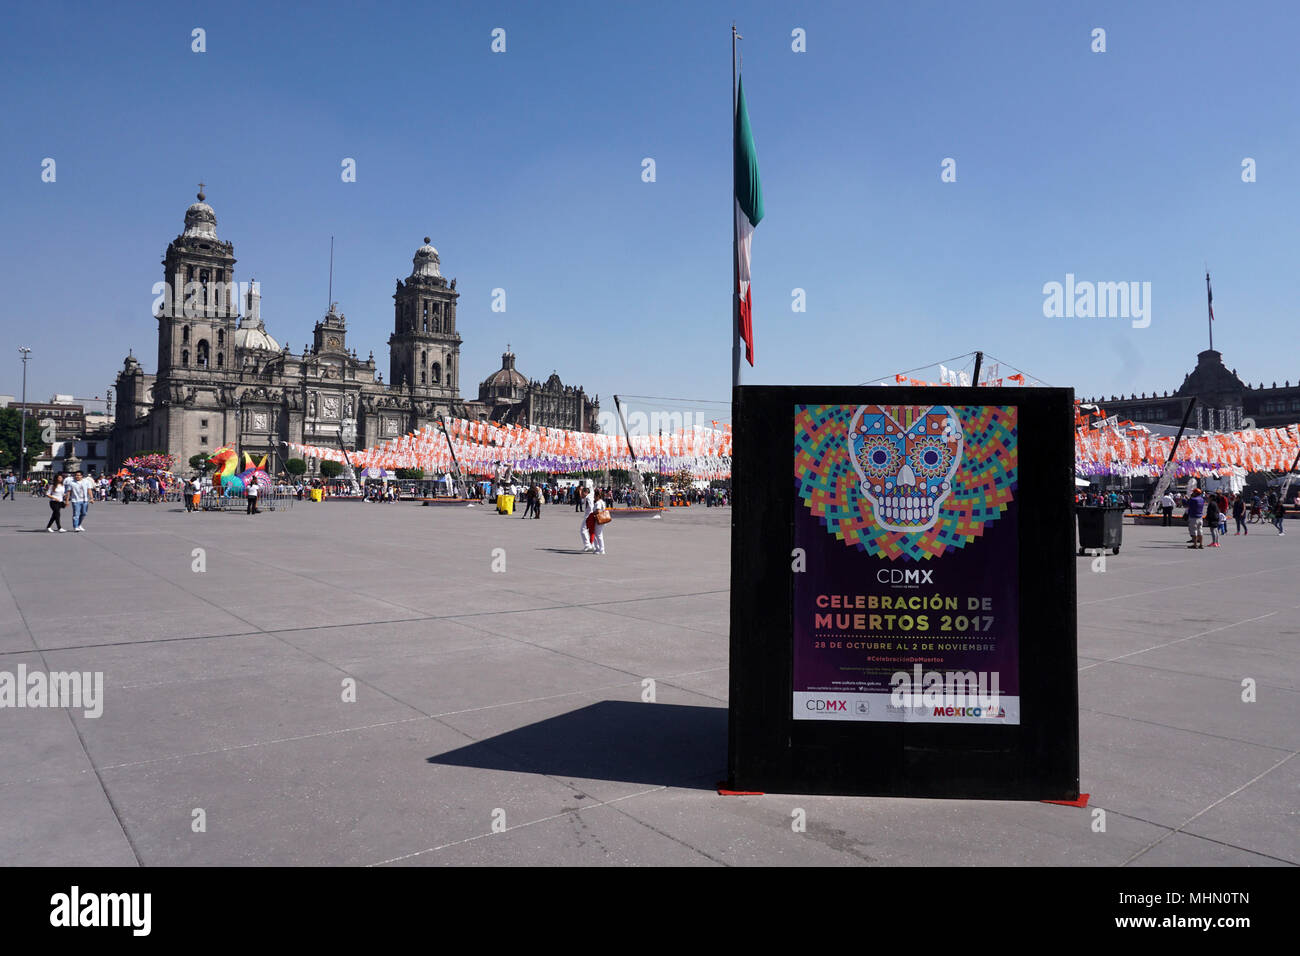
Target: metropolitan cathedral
[222, 379]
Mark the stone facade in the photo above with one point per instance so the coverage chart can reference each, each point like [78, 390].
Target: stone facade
[222, 379]
[1223, 401]
[507, 396]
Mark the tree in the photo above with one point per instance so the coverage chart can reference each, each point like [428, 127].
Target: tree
[295, 466]
[199, 462]
[410, 473]
[11, 420]
[330, 469]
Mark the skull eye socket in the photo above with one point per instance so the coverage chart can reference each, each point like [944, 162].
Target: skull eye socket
[879, 457]
[930, 457]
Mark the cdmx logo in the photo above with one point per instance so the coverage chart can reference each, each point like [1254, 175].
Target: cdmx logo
[826, 705]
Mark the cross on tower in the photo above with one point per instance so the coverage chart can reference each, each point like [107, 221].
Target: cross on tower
[201, 196]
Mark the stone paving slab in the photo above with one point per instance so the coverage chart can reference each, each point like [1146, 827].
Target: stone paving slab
[523, 691]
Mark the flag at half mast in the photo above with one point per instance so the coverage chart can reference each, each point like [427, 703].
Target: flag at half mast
[749, 212]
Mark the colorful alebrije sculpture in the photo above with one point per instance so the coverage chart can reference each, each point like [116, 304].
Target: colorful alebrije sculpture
[234, 482]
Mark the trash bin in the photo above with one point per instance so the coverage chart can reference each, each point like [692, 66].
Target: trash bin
[315, 494]
[505, 504]
[1100, 528]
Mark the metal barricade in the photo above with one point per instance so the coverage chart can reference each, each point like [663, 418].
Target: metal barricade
[275, 498]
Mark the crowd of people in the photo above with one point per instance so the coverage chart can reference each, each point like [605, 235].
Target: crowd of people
[1107, 499]
[79, 490]
[148, 488]
[1209, 511]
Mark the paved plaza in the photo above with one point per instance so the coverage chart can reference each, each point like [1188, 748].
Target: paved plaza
[499, 716]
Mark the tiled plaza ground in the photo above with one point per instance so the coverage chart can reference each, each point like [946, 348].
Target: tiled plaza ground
[484, 695]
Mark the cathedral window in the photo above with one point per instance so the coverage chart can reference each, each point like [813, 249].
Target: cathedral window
[221, 338]
[185, 357]
[437, 374]
[221, 360]
[185, 334]
[201, 356]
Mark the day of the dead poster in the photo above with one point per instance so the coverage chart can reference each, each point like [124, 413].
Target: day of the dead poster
[906, 564]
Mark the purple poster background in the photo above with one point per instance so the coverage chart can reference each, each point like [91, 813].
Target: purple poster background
[875, 598]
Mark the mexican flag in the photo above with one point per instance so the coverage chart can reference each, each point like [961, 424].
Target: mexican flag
[749, 212]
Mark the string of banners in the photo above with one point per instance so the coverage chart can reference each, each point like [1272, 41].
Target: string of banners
[482, 447]
[1131, 450]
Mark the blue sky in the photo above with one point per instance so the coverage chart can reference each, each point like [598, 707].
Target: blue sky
[525, 169]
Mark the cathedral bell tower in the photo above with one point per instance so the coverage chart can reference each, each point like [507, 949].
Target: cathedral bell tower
[330, 334]
[424, 349]
[198, 309]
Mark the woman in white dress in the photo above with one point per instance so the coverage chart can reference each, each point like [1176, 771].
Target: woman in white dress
[585, 507]
[598, 537]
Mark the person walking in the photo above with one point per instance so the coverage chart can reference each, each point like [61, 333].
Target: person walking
[253, 492]
[78, 494]
[1279, 515]
[1195, 515]
[55, 493]
[538, 497]
[585, 506]
[1167, 509]
[1239, 513]
[1212, 516]
[599, 510]
[11, 486]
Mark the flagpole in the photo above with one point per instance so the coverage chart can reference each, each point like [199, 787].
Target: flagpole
[735, 239]
[1209, 307]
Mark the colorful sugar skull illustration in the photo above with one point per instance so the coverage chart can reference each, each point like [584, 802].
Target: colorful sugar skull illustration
[906, 456]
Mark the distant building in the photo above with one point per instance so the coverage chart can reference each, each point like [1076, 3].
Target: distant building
[90, 456]
[69, 417]
[508, 397]
[223, 379]
[1223, 401]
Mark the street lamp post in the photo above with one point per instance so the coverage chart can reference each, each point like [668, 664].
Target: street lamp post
[22, 441]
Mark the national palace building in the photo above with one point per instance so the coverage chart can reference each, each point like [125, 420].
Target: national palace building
[1223, 401]
[222, 378]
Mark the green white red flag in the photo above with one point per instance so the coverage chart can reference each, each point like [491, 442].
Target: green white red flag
[749, 212]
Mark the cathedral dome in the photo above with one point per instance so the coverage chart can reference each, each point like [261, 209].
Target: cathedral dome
[255, 337]
[505, 382]
[425, 262]
[200, 220]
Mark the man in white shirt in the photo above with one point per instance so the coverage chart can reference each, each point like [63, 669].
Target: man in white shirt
[252, 497]
[77, 491]
[1167, 509]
